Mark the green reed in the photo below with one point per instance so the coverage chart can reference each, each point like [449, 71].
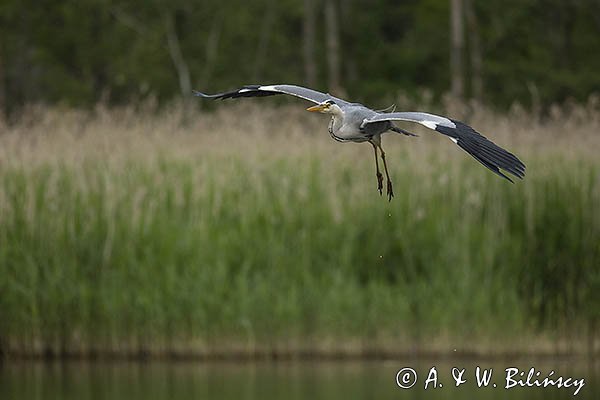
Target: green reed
[227, 253]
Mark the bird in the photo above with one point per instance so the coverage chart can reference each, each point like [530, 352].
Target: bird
[354, 122]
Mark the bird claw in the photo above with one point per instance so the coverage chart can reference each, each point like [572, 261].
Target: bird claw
[390, 190]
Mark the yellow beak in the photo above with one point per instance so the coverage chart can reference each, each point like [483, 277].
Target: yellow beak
[318, 107]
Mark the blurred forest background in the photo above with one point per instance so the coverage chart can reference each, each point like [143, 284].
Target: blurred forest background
[74, 52]
[135, 221]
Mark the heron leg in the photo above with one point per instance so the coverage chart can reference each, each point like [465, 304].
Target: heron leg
[379, 176]
[390, 190]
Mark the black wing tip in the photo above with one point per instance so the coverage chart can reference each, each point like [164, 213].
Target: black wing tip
[489, 164]
[490, 155]
[506, 177]
[244, 91]
[221, 96]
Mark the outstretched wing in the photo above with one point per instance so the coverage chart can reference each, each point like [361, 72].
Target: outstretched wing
[483, 150]
[270, 90]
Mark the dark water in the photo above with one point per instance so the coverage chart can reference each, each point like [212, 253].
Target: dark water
[283, 380]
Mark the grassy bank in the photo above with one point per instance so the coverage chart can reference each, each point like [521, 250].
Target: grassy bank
[124, 232]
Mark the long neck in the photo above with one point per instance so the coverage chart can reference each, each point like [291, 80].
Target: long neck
[336, 123]
[337, 120]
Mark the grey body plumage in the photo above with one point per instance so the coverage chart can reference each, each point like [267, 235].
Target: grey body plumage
[353, 122]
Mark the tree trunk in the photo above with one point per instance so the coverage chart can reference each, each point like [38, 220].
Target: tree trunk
[210, 54]
[183, 72]
[333, 46]
[2, 95]
[310, 67]
[261, 53]
[456, 48]
[475, 52]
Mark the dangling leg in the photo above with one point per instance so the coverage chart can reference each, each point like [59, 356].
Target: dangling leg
[379, 176]
[390, 190]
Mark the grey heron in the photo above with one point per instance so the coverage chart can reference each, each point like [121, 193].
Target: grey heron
[353, 122]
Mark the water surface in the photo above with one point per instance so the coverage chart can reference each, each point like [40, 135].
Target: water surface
[329, 380]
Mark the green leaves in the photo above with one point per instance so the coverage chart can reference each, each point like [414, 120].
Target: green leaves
[83, 52]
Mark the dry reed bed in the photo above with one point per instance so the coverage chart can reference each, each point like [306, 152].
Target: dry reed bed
[50, 134]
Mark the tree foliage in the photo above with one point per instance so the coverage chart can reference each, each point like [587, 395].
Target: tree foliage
[78, 52]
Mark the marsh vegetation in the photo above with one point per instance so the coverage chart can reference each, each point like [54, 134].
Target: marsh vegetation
[125, 231]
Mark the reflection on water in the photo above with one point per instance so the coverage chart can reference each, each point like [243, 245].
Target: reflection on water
[283, 380]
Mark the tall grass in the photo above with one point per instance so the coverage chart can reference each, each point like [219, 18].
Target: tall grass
[124, 231]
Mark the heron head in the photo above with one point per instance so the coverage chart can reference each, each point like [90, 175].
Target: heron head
[326, 107]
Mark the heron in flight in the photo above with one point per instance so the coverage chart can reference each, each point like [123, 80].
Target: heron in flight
[353, 122]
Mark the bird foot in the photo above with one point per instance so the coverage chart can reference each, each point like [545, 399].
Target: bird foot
[380, 183]
[390, 190]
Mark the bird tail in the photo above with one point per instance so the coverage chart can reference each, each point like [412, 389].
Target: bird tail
[402, 131]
